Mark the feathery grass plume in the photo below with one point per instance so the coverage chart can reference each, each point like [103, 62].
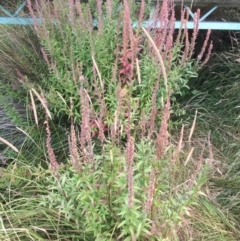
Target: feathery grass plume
[138, 71]
[158, 56]
[189, 156]
[43, 102]
[99, 93]
[193, 127]
[98, 72]
[179, 146]
[34, 108]
[61, 97]
[52, 158]
[25, 133]
[9, 144]
[16, 69]
[198, 169]
[163, 135]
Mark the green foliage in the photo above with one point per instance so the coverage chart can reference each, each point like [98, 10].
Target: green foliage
[22, 216]
[21, 60]
[96, 200]
[207, 216]
[92, 204]
[70, 48]
[215, 93]
[21, 67]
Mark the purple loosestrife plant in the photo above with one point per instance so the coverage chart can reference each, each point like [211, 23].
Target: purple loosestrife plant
[116, 83]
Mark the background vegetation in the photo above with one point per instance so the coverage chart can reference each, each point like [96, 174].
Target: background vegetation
[114, 133]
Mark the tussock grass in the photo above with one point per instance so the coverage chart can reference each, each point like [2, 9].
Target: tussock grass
[215, 94]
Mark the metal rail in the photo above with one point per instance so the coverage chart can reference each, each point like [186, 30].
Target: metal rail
[15, 19]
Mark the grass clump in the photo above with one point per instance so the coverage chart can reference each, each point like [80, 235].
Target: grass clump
[215, 94]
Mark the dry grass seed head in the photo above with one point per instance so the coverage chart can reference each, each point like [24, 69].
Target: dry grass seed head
[34, 108]
[179, 146]
[198, 169]
[193, 127]
[9, 144]
[158, 56]
[43, 103]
